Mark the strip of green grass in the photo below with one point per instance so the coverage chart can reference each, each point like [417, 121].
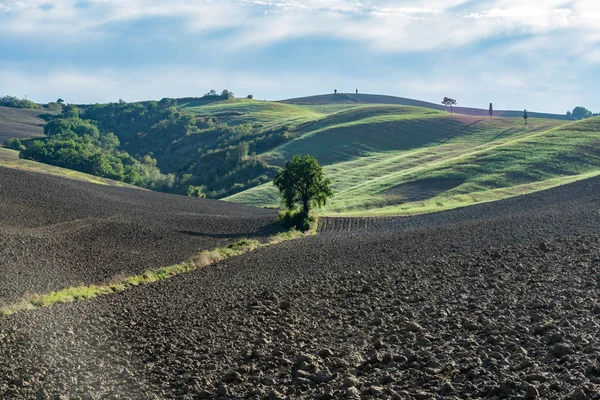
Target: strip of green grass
[121, 284]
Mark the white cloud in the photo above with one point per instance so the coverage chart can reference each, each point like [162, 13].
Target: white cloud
[524, 50]
[385, 25]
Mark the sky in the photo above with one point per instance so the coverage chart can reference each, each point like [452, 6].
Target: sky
[541, 55]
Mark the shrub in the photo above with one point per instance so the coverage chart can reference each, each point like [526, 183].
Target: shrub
[15, 144]
[297, 219]
[196, 191]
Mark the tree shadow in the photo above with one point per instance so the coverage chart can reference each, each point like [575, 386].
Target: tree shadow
[264, 231]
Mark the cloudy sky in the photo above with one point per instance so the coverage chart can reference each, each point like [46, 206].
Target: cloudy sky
[543, 57]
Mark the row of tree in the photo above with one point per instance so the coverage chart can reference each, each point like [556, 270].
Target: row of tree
[577, 113]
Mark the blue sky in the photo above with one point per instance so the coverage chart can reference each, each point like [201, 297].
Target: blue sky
[542, 55]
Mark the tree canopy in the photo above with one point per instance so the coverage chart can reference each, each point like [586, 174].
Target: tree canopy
[302, 181]
[448, 101]
[15, 102]
[581, 113]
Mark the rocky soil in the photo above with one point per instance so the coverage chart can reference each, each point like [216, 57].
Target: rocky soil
[493, 301]
[58, 232]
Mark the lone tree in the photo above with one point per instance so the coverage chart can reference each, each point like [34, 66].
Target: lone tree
[525, 116]
[491, 110]
[449, 102]
[302, 181]
[581, 113]
[334, 91]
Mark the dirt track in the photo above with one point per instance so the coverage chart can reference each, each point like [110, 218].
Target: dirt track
[498, 300]
[58, 232]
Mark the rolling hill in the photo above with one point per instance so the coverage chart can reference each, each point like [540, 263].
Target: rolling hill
[351, 98]
[385, 155]
[20, 123]
[414, 160]
[10, 159]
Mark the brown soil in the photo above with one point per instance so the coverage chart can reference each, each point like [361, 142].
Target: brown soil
[499, 300]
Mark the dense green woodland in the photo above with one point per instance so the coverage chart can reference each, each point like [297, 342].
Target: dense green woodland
[153, 145]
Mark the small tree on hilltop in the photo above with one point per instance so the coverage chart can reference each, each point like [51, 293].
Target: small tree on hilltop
[302, 182]
[448, 101]
[525, 116]
[581, 113]
[491, 110]
[335, 91]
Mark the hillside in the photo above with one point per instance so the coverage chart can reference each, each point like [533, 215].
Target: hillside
[10, 159]
[21, 123]
[351, 98]
[59, 232]
[382, 156]
[497, 300]
[435, 162]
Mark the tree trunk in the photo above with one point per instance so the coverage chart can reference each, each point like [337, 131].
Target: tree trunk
[305, 206]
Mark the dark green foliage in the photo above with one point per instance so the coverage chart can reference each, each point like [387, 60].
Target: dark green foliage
[196, 191]
[15, 102]
[525, 116]
[302, 182]
[226, 94]
[448, 101]
[250, 97]
[296, 219]
[581, 113]
[196, 151]
[77, 144]
[15, 144]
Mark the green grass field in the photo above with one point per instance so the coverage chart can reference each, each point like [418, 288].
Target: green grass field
[397, 160]
[10, 159]
[267, 115]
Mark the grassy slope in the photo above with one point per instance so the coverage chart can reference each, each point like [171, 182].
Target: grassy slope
[20, 123]
[422, 162]
[10, 159]
[394, 159]
[267, 115]
[351, 98]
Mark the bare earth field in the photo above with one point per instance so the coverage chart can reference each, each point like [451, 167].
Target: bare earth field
[498, 300]
[57, 232]
[20, 123]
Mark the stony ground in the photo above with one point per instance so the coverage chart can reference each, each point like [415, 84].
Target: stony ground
[58, 232]
[494, 301]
